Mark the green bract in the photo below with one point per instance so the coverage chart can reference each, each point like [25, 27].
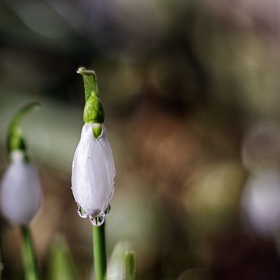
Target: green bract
[93, 111]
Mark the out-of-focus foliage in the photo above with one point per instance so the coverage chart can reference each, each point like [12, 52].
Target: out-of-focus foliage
[61, 266]
[182, 83]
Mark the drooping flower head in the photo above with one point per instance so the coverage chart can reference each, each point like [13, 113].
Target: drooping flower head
[93, 168]
[20, 190]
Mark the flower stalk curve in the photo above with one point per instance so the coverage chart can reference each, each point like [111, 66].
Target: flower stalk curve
[93, 171]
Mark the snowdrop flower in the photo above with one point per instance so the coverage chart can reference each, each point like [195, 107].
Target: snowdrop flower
[20, 190]
[93, 173]
[93, 168]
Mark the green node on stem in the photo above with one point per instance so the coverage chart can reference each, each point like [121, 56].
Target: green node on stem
[93, 111]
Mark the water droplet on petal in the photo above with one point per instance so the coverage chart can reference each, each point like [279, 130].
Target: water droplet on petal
[107, 210]
[98, 220]
[81, 212]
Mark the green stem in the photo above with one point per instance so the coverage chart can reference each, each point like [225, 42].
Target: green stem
[99, 252]
[28, 255]
[15, 140]
[90, 82]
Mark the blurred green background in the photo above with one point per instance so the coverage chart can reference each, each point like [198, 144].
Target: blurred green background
[181, 83]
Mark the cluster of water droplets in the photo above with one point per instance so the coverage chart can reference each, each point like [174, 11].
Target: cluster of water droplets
[97, 220]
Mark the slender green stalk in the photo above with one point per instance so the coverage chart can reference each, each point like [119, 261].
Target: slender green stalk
[28, 255]
[99, 252]
[90, 83]
[15, 140]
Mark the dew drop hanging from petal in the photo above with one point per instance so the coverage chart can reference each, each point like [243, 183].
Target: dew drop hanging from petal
[97, 221]
[107, 210]
[81, 212]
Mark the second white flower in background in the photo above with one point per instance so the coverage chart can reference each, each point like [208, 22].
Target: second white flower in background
[20, 191]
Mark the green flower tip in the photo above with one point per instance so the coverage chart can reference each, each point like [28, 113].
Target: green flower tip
[15, 140]
[96, 129]
[93, 111]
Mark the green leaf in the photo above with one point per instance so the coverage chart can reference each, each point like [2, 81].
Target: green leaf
[61, 266]
[121, 263]
[129, 266]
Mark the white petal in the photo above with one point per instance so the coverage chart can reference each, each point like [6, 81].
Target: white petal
[93, 172]
[20, 191]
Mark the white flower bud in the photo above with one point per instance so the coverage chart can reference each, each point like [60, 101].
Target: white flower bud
[20, 190]
[93, 173]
